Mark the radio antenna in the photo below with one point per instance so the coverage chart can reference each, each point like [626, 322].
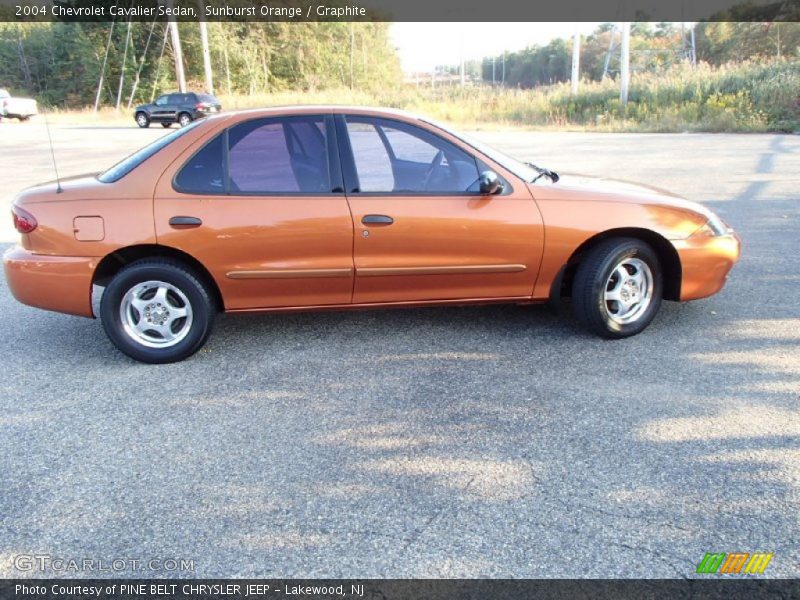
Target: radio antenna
[52, 152]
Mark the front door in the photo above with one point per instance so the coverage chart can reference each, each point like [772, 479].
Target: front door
[164, 109]
[271, 222]
[422, 229]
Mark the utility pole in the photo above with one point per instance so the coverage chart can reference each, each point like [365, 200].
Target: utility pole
[463, 75]
[141, 65]
[352, 51]
[103, 69]
[180, 76]
[124, 61]
[607, 63]
[576, 62]
[625, 64]
[206, 51]
[158, 64]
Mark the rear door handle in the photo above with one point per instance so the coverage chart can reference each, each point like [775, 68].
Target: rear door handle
[377, 220]
[185, 222]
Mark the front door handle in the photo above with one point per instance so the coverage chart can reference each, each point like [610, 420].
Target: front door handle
[377, 220]
[181, 222]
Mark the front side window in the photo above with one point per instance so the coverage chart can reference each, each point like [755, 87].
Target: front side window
[264, 156]
[393, 156]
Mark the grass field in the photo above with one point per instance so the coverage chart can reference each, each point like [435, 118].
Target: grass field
[744, 97]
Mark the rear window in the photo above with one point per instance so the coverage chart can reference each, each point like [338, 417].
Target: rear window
[207, 98]
[125, 166]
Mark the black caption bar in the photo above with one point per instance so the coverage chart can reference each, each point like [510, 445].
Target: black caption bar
[401, 10]
[398, 589]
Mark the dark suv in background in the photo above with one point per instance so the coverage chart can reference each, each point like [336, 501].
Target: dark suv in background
[176, 108]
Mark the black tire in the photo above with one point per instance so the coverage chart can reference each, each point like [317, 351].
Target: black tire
[184, 119]
[593, 277]
[174, 274]
[142, 120]
[166, 125]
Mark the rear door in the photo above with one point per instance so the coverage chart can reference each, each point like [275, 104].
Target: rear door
[423, 231]
[261, 205]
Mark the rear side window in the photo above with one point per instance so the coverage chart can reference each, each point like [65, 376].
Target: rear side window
[127, 165]
[264, 156]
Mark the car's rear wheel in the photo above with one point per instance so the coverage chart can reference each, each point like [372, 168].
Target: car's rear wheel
[157, 311]
[142, 120]
[617, 288]
[184, 119]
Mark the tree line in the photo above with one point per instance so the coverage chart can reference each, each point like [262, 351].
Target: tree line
[654, 47]
[62, 64]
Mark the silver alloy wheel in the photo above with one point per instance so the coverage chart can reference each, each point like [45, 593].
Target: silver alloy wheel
[184, 120]
[156, 314]
[141, 119]
[628, 291]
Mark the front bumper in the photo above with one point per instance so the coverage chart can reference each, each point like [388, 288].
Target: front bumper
[59, 283]
[705, 263]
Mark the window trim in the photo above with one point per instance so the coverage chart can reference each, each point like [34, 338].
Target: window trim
[350, 173]
[334, 161]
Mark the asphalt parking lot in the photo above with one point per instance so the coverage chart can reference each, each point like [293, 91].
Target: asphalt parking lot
[458, 442]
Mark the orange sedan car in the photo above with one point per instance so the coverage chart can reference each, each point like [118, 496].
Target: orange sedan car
[310, 208]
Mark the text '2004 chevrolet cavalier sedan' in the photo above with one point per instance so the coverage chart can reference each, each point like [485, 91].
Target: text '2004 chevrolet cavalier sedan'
[310, 208]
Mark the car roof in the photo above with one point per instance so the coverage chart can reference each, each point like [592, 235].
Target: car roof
[301, 109]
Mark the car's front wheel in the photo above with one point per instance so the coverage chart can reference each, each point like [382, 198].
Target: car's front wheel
[142, 120]
[617, 288]
[157, 311]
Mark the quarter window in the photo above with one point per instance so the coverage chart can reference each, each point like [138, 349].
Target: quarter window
[392, 156]
[204, 173]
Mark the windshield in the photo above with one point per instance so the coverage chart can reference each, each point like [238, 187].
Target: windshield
[125, 166]
[518, 168]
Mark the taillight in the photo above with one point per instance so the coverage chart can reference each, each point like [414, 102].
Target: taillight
[201, 106]
[24, 222]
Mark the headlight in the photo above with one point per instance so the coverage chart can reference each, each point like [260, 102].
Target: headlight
[714, 227]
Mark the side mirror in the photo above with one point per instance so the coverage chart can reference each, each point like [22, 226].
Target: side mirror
[490, 183]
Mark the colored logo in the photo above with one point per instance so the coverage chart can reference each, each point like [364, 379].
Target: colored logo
[735, 563]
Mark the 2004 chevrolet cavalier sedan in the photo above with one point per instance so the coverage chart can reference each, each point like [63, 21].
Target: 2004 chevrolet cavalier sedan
[310, 208]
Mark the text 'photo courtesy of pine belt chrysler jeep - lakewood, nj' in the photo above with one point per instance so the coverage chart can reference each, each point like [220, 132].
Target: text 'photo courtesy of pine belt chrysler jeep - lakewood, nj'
[330, 207]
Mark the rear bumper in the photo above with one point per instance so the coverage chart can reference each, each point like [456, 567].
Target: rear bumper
[58, 283]
[706, 262]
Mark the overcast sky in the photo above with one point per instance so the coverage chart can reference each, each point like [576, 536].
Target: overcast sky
[422, 46]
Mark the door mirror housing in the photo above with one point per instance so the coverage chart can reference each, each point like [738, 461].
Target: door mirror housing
[489, 183]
